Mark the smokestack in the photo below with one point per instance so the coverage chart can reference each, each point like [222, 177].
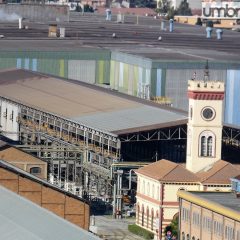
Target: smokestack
[20, 25]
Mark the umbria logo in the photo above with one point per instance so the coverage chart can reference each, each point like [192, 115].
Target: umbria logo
[222, 10]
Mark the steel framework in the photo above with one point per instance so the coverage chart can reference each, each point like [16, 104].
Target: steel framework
[88, 161]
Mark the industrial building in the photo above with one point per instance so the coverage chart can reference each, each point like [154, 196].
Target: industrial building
[134, 62]
[86, 144]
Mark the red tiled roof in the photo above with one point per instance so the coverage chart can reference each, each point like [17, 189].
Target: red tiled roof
[219, 173]
[167, 171]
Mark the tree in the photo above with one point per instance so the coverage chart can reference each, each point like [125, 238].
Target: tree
[184, 9]
[163, 6]
[173, 228]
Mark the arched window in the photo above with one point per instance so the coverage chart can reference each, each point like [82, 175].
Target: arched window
[183, 236]
[142, 215]
[193, 238]
[35, 170]
[138, 213]
[203, 146]
[148, 189]
[207, 144]
[188, 237]
[158, 192]
[143, 189]
[153, 191]
[147, 216]
[152, 216]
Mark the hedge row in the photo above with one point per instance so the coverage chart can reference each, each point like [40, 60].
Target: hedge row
[140, 231]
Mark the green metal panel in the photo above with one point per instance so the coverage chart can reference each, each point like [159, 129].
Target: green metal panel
[7, 63]
[135, 83]
[107, 71]
[163, 93]
[62, 72]
[125, 77]
[116, 75]
[102, 72]
[49, 66]
[131, 80]
[112, 74]
[153, 84]
[82, 54]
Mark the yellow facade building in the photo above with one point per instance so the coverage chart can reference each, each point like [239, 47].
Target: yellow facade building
[209, 215]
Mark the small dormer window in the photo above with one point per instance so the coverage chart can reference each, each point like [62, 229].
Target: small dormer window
[35, 170]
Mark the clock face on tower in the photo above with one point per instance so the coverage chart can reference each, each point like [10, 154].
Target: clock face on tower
[208, 113]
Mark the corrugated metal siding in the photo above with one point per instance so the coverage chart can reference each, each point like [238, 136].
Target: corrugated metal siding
[136, 77]
[82, 70]
[159, 83]
[102, 72]
[129, 78]
[50, 66]
[176, 84]
[130, 59]
[7, 63]
[232, 97]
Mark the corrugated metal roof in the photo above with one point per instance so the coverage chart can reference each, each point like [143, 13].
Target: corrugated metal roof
[23, 220]
[226, 199]
[94, 106]
[129, 118]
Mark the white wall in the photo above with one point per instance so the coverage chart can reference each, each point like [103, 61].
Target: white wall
[8, 120]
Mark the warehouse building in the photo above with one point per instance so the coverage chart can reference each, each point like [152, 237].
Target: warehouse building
[134, 63]
[85, 143]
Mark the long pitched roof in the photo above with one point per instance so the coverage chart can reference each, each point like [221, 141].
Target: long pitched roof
[12, 154]
[22, 219]
[168, 171]
[93, 106]
[219, 173]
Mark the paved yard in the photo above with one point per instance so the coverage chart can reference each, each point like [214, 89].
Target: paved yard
[113, 229]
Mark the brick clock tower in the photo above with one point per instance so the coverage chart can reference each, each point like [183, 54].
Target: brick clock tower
[204, 140]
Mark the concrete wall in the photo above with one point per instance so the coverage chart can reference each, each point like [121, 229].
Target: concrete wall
[67, 207]
[32, 12]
